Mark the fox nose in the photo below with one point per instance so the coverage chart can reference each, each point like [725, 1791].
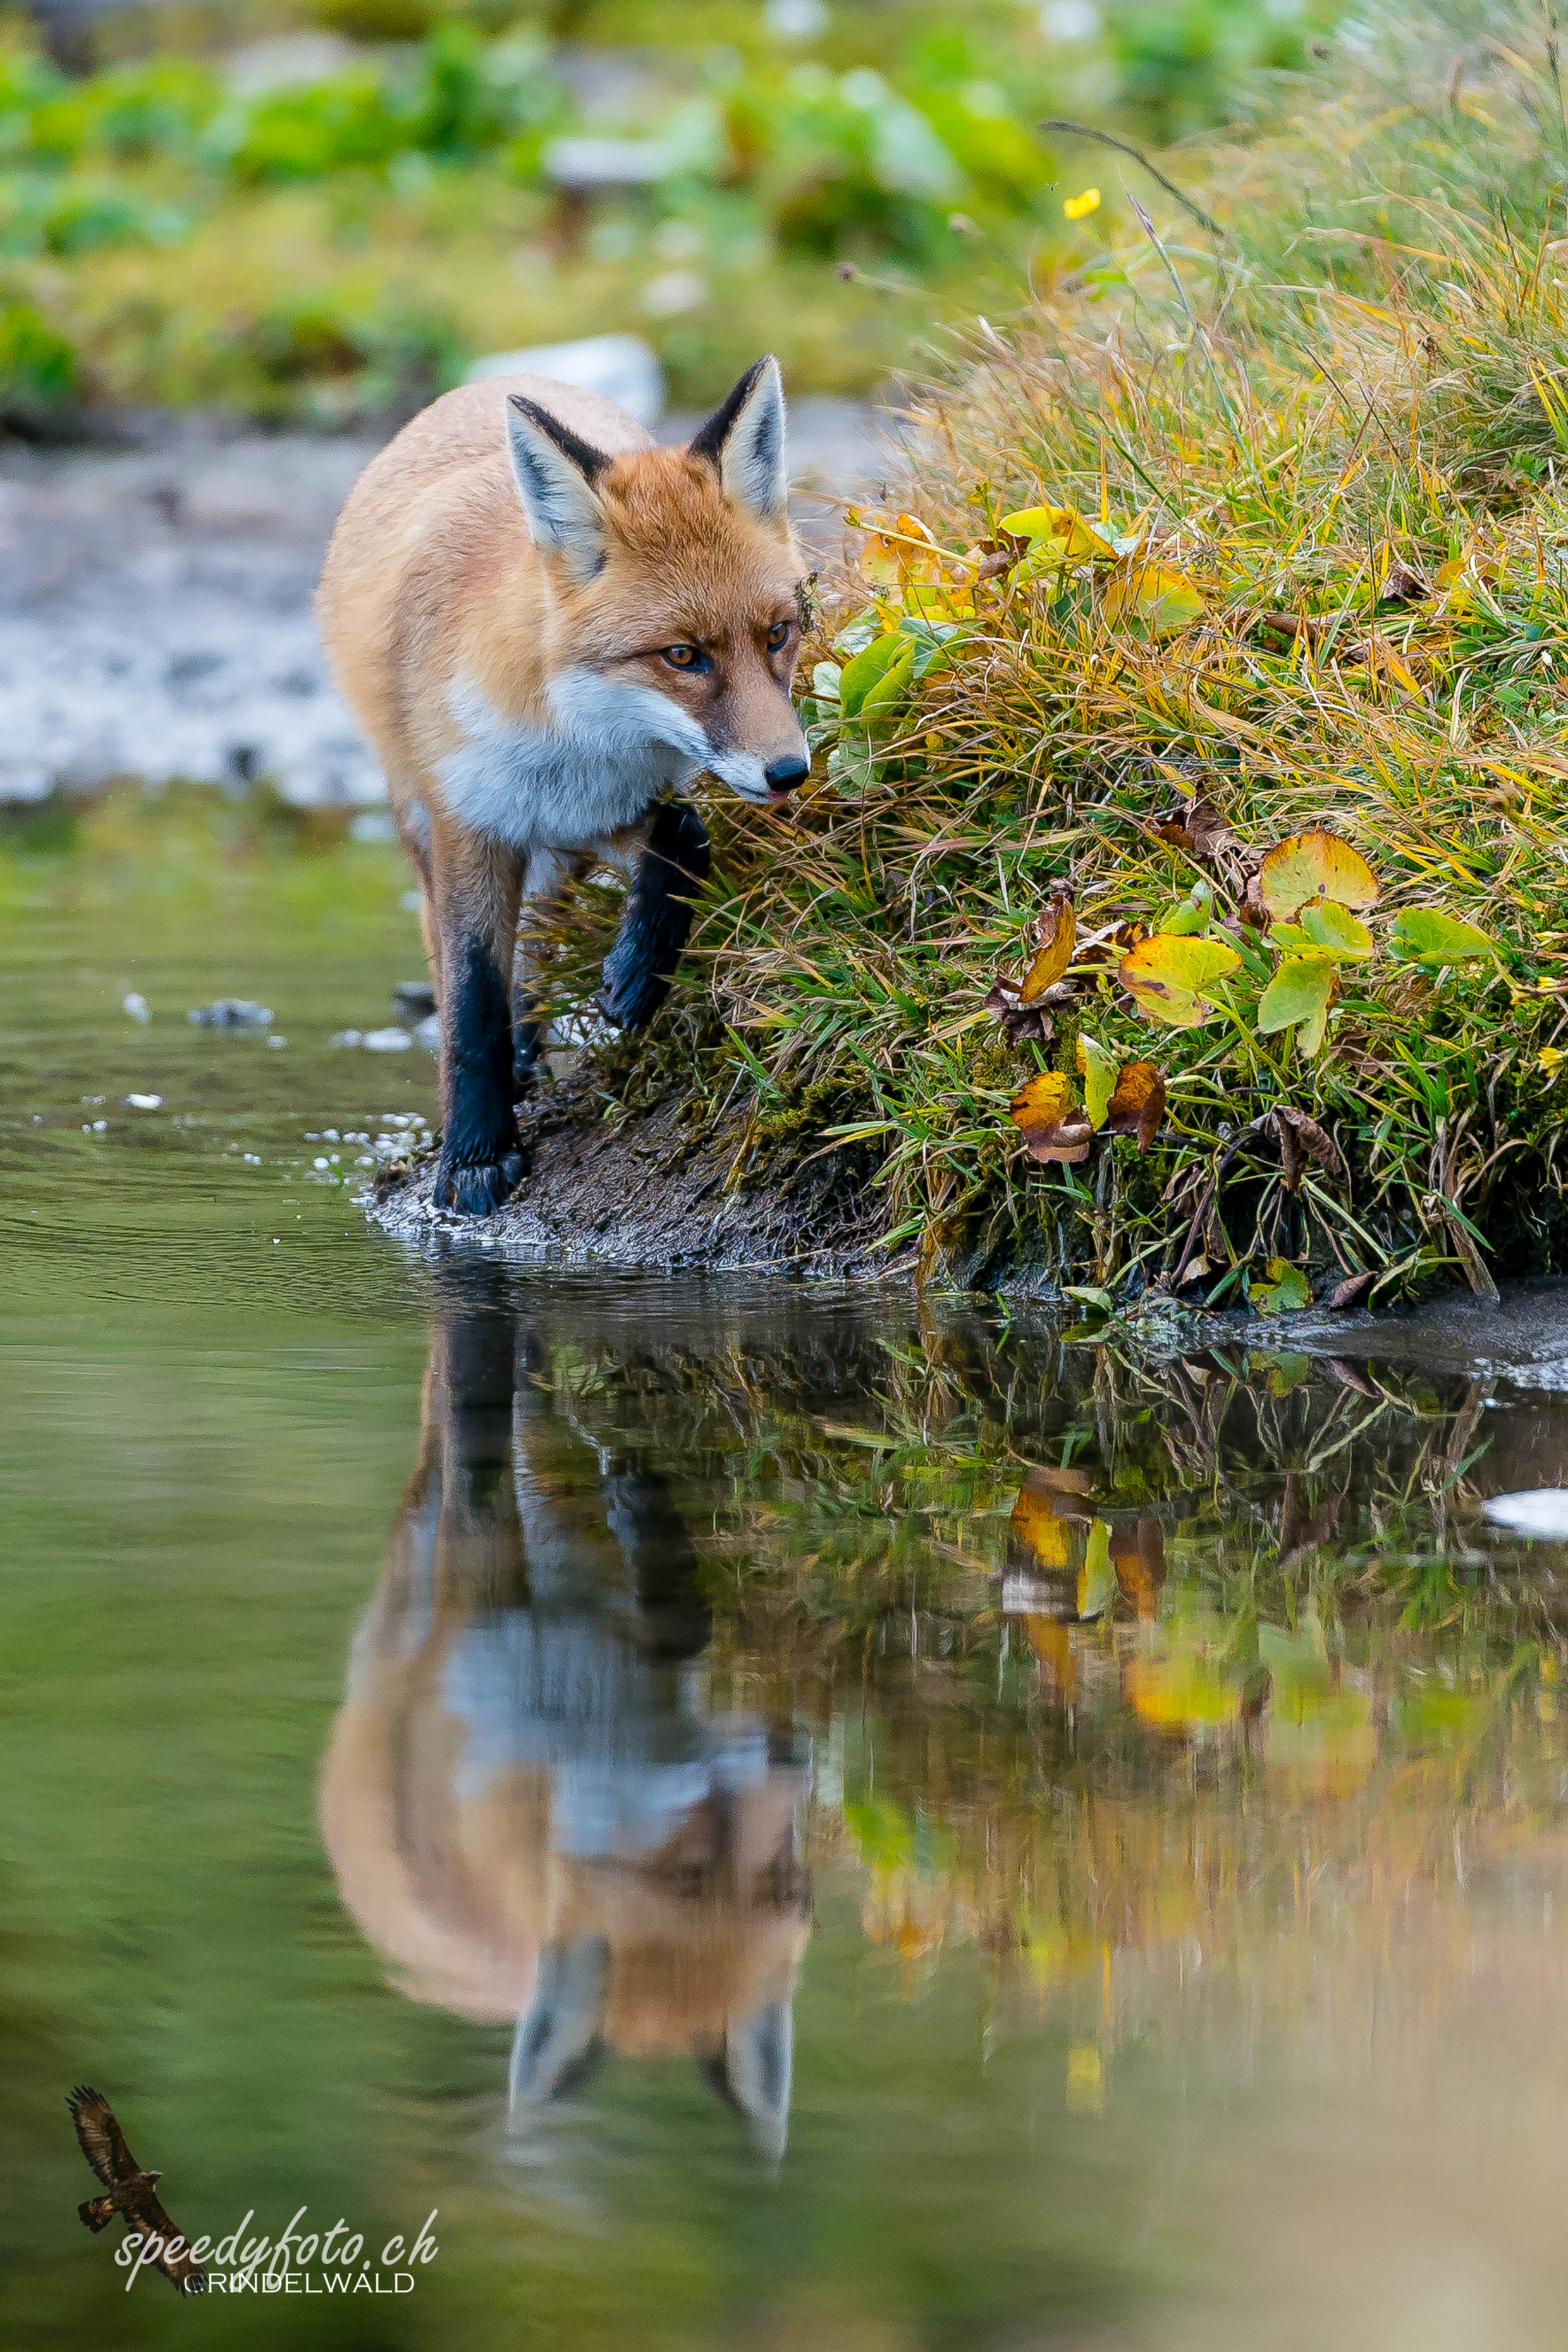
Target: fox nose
[782, 775]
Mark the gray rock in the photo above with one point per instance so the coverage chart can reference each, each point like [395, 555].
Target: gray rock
[231, 1012]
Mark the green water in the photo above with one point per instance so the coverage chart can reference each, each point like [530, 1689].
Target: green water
[991, 1844]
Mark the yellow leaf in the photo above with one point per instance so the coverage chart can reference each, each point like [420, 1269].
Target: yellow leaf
[1058, 938]
[1324, 928]
[1163, 600]
[1079, 208]
[1097, 1070]
[1315, 866]
[1051, 1125]
[1167, 977]
[1059, 535]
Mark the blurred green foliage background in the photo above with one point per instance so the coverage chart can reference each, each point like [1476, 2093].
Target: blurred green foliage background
[327, 211]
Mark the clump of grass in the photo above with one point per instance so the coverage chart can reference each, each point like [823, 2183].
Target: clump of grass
[1318, 580]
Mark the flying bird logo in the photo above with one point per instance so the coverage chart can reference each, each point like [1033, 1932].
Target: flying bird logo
[132, 2192]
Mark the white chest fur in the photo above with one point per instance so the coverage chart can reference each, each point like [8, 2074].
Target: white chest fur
[606, 752]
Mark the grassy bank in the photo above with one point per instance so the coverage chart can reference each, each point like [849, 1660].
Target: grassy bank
[1233, 540]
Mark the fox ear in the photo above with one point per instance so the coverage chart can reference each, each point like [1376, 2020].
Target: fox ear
[559, 2035]
[555, 475]
[744, 441]
[754, 2070]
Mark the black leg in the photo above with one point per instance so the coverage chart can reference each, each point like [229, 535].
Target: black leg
[481, 1162]
[657, 916]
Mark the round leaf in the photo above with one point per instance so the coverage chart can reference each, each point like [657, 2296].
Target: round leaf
[1165, 601]
[1423, 935]
[1166, 977]
[1301, 989]
[1315, 866]
[1059, 535]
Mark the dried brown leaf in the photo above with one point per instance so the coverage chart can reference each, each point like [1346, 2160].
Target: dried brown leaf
[1351, 1292]
[1051, 1124]
[1301, 1139]
[1137, 1104]
[1023, 1025]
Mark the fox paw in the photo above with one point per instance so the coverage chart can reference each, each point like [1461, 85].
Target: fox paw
[478, 1189]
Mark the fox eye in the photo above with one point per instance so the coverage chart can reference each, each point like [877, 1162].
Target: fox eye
[684, 657]
[777, 635]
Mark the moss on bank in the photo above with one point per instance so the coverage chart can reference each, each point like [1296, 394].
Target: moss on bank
[1293, 530]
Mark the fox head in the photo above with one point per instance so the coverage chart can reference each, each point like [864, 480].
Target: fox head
[675, 573]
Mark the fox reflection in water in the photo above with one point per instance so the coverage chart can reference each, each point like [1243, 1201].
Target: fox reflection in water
[524, 1801]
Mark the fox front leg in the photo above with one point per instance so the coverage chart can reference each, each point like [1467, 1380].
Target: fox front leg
[667, 859]
[476, 886]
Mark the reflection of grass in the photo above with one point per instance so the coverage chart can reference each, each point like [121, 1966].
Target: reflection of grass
[1254, 1751]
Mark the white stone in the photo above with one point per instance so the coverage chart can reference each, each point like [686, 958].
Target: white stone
[621, 368]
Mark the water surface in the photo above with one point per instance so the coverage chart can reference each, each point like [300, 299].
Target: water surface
[785, 1818]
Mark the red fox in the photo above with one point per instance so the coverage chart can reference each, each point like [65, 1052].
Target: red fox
[543, 621]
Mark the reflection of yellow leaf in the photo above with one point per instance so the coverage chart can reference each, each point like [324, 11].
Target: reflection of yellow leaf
[1035, 1523]
[1097, 1585]
[1051, 1643]
[1181, 1693]
[1167, 977]
[1086, 2081]
[1315, 865]
[1323, 1740]
[1163, 600]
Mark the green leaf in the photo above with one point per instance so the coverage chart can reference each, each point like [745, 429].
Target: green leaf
[1301, 989]
[1088, 1294]
[1099, 1071]
[886, 692]
[1193, 914]
[824, 680]
[1325, 929]
[1423, 935]
[868, 668]
[1284, 1289]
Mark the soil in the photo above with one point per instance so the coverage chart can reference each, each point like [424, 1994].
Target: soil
[644, 1192]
